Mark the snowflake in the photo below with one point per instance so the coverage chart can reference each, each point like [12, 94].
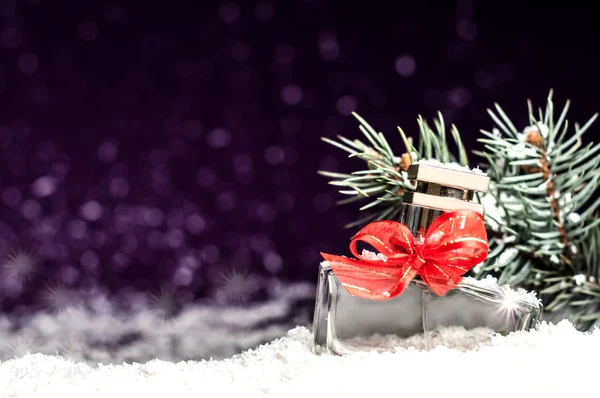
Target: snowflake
[16, 348]
[58, 298]
[72, 349]
[237, 286]
[165, 304]
[19, 265]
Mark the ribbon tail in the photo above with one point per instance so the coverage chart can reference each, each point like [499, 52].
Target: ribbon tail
[440, 279]
[373, 280]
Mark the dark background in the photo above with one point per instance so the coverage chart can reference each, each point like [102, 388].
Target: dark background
[174, 145]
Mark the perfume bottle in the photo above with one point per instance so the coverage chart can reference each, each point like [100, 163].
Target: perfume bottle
[345, 323]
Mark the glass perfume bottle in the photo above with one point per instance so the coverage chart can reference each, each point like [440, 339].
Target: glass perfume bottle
[345, 323]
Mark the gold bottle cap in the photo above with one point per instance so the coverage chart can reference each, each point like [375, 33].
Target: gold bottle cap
[445, 188]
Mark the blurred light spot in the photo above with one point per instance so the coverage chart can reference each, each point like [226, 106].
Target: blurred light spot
[281, 177]
[260, 243]
[153, 217]
[178, 146]
[237, 286]
[309, 257]
[108, 151]
[291, 156]
[322, 202]
[11, 196]
[174, 238]
[433, 98]
[264, 12]
[346, 105]
[241, 51]
[11, 38]
[28, 63]
[195, 223]
[297, 226]
[192, 128]
[39, 93]
[284, 54]
[31, 209]
[159, 157]
[184, 68]
[328, 46]
[329, 163]
[88, 31]
[44, 186]
[225, 201]
[265, 212]
[114, 13]
[505, 73]
[232, 115]
[291, 94]
[120, 261]
[273, 262]
[219, 138]
[333, 124]
[229, 12]
[210, 254]
[176, 218]
[190, 262]
[22, 128]
[290, 125]
[119, 187]
[466, 7]
[460, 97]
[89, 260]
[183, 277]
[173, 125]
[242, 164]
[154, 239]
[19, 265]
[274, 155]
[377, 97]
[91, 210]
[58, 298]
[284, 201]
[165, 305]
[181, 106]
[69, 275]
[5, 136]
[484, 79]
[206, 176]
[100, 238]
[77, 229]
[8, 9]
[466, 29]
[405, 65]
[129, 243]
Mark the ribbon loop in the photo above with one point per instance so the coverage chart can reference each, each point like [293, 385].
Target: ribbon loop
[454, 243]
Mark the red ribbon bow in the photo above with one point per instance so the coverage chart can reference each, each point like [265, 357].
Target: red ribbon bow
[454, 243]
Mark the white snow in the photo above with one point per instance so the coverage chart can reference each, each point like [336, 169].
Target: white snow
[103, 334]
[523, 364]
[579, 279]
[369, 255]
[491, 283]
[451, 166]
[574, 218]
[539, 126]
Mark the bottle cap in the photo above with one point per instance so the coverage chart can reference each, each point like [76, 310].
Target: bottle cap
[445, 188]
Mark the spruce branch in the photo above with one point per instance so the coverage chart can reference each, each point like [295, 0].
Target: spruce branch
[541, 210]
[542, 182]
[383, 182]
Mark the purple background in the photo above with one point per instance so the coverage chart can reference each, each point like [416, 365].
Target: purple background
[167, 145]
